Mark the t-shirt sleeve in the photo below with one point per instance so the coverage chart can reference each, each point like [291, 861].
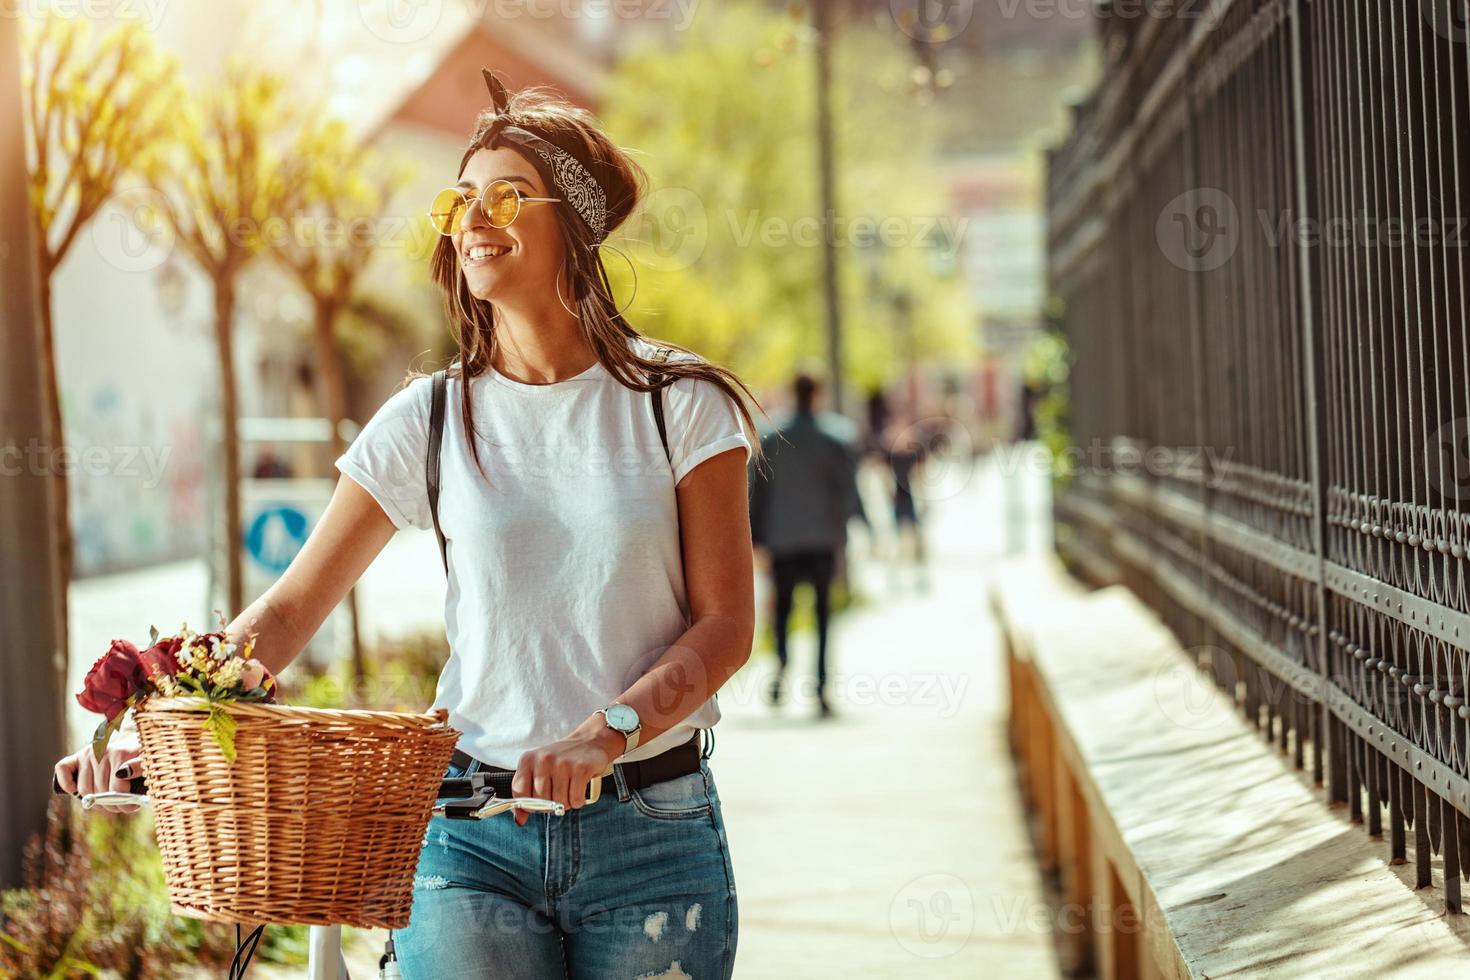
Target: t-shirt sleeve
[703, 421]
[388, 456]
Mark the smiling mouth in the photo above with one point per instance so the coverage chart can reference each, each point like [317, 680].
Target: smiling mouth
[483, 254]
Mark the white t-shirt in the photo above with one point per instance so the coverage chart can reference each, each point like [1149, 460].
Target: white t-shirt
[565, 577]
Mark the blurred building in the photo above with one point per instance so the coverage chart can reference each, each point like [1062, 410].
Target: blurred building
[1015, 68]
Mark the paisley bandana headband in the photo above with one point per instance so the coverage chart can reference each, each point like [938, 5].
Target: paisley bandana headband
[570, 176]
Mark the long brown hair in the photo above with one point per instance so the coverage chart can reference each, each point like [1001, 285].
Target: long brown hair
[606, 331]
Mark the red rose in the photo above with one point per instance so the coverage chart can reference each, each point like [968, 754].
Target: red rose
[116, 676]
[161, 658]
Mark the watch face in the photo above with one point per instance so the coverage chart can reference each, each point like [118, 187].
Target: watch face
[622, 717]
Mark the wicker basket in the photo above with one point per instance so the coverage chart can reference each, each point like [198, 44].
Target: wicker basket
[318, 821]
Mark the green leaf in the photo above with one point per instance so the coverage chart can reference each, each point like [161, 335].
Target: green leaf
[103, 735]
[222, 726]
[152, 635]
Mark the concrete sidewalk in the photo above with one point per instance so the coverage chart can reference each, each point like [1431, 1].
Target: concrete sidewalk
[888, 841]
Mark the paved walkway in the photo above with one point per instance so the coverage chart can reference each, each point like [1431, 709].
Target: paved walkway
[888, 842]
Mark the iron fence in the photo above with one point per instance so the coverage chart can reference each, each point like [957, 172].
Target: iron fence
[1257, 239]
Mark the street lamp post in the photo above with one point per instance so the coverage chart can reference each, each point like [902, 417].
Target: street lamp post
[32, 664]
[822, 27]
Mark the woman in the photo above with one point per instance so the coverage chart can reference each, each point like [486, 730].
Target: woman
[600, 590]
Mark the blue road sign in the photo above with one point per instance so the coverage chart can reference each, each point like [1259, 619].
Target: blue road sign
[276, 535]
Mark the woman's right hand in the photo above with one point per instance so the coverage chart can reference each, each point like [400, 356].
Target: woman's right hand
[81, 773]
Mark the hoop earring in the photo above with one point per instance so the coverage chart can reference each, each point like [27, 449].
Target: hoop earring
[631, 268]
[562, 301]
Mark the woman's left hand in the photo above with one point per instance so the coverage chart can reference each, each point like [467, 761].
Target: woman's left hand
[561, 771]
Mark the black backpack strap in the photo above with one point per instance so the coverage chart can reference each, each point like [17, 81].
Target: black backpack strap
[658, 407]
[439, 387]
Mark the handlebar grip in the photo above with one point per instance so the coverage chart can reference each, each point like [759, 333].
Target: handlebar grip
[137, 785]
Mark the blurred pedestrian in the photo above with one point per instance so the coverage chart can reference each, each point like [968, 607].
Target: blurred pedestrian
[799, 508]
[269, 466]
[905, 450]
[877, 407]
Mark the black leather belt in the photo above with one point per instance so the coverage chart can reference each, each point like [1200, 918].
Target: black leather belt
[680, 760]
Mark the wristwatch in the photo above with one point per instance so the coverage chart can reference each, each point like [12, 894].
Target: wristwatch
[622, 718]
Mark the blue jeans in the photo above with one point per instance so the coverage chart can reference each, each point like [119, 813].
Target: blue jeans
[638, 884]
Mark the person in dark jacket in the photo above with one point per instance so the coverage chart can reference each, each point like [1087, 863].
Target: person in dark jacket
[799, 508]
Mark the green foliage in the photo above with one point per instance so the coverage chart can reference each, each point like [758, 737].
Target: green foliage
[399, 675]
[100, 112]
[1046, 369]
[728, 244]
[222, 727]
[94, 904]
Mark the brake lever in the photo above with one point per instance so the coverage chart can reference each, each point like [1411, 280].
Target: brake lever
[94, 799]
[481, 802]
[478, 808]
[137, 786]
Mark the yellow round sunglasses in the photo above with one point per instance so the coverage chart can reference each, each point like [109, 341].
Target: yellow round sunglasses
[501, 202]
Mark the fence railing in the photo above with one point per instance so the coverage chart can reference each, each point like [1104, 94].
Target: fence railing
[1258, 234]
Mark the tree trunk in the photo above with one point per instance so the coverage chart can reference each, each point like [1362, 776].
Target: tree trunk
[826, 173]
[32, 702]
[55, 441]
[331, 371]
[333, 387]
[224, 312]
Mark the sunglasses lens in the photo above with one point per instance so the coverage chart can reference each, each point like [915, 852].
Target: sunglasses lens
[447, 211]
[502, 204]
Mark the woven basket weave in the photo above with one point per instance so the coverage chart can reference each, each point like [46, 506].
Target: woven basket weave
[318, 821]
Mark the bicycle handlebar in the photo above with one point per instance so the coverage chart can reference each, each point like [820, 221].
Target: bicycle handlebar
[473, 806]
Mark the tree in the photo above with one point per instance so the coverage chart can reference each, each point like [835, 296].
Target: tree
[336, 229]
[32, 663]
[343, 192]
[225, 194]
[728, 248]
[96, 114]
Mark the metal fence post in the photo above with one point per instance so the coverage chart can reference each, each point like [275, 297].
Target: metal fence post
[1311, 366]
